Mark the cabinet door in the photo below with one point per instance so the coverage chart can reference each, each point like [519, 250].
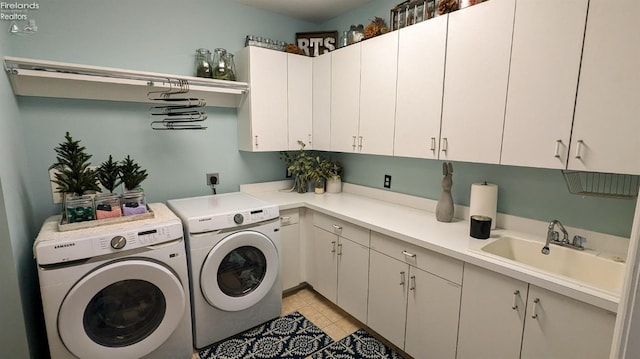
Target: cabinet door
[353, 278]
[322, 102]
[606, 125]
[378, 74]
[561, 327]
[388, 283]
[290, 255]
[262, 114]
[545, 61]
[345, 98]
[324, 265]
[489, 326]
[433, 309]
[475, 82]
[299, 101]
[421, 56]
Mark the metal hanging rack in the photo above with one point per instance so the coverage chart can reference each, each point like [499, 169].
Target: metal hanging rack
[609, 185]
[181, 113]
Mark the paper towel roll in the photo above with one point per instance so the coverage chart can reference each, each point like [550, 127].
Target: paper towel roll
[484, 201]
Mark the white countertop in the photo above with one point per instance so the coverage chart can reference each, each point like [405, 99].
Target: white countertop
[420, 227]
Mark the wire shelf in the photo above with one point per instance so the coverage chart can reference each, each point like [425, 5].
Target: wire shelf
[609, 185]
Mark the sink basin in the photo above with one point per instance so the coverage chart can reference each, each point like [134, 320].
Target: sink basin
[584, 267]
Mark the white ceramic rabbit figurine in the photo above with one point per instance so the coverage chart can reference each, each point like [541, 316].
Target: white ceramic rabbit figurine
[444, 208]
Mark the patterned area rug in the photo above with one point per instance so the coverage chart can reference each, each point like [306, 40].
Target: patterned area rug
[357, 345]
[292, 336]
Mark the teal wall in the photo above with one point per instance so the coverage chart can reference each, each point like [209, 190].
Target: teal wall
[17, 274]
[162, 36]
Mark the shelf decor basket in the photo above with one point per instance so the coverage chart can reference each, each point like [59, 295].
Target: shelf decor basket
[609, 185]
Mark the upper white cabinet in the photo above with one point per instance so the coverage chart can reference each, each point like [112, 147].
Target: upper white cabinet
[363, 83]
[475, 85]
[262, 115]
[545, 61]
[345, 98]
[322, 102]
[300, 100]
[606, 125]
[421, 54]
[378, 74]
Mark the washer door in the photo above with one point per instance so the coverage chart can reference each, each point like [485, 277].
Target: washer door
[239, 271]
[125, 309]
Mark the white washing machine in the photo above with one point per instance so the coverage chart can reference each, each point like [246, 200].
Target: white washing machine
[233, 242]
[116, 291]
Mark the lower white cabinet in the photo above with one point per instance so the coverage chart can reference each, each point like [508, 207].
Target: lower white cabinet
[290, 248]
[561, 327]
[340, 264]
[415, 309]
[501, 317]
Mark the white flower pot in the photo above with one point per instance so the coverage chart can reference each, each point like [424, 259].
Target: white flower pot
[334, 185]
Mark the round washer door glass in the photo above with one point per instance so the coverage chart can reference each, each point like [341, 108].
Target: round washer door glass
[125, 309]
[239, 271]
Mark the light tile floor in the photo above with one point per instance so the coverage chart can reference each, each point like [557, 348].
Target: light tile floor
[324, 314]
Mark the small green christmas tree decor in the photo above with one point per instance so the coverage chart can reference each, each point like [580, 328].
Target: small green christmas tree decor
[131, 173]
[72, 164]
[109, 174]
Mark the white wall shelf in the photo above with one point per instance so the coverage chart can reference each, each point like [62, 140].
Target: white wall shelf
[42, 78]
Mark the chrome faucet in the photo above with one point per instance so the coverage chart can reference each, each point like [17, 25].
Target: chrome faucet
[552, 237]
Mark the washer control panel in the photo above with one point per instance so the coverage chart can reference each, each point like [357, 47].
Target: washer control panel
[232, 219]
[96, 243]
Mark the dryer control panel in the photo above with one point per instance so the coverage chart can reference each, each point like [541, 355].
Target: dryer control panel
[79, 246]
[232, 219]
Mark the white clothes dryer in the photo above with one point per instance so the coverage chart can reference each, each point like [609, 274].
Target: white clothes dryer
[116, 291]
[233, 242]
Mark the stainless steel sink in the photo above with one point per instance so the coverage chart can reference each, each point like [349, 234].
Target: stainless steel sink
[582, 266]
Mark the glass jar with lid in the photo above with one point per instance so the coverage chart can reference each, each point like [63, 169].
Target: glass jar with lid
[221, 68]
[133, 202]
[107, 205]
[79, 209]
[203, 63]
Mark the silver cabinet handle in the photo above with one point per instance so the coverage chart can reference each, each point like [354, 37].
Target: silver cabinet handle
[433, 144]
[337, 228]
[333, 248]
[516, 294]
[256, 140]
[579, 149]
[354, 143]
[557, 153]
[412, 286]
[402, 278]
[310, 141]
[411, 255]
[360, 143]
[445, 144]
[339, 249]
[534, 312]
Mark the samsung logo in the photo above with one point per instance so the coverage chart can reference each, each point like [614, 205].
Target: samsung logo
[65, 245]
[205, 219]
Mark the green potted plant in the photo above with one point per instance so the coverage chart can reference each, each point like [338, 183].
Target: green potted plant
[320, 173]
[334, 177]
[73, 175]
[131, 174]
[74, 178]
[300, 165]
[109, 174]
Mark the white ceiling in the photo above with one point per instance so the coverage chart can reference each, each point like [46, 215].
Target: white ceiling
[316, 11]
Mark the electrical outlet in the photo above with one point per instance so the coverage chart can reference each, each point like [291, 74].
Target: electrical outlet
[387, 181]
[213, 179]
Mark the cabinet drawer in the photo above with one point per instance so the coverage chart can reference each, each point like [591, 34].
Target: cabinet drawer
[344, 229]
[432, 262]
[289, 216]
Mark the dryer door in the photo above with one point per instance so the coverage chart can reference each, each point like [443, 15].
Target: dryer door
[125, 309]
[239, 271]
